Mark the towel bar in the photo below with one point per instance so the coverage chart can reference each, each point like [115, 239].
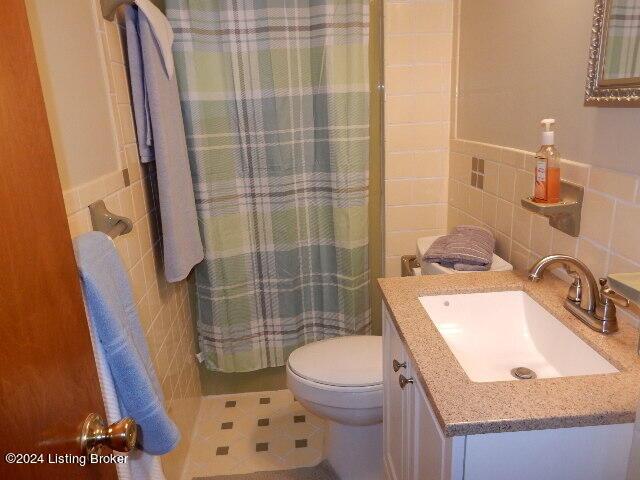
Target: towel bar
[104, 221]
[109, 7]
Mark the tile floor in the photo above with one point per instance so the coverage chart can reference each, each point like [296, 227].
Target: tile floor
[251, 432]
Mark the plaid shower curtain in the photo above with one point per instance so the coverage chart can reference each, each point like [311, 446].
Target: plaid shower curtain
[622, 58]
[275, 100]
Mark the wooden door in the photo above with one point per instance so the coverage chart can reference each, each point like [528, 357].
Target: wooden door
[48, 379]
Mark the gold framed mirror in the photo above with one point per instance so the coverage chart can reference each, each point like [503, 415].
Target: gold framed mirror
[613, 77]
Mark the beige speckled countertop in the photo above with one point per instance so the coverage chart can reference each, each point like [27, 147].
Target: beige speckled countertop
[464, 407]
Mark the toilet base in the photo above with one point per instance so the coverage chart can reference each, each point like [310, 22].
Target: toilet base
[354, 452]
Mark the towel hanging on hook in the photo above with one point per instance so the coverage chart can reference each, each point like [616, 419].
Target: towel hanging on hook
[160, 25]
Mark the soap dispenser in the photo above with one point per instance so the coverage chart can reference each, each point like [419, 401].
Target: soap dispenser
[547, 174]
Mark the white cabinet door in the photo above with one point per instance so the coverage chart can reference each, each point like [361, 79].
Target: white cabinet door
[428, 442]
[414, 447]
[434, 456]
[394, 408]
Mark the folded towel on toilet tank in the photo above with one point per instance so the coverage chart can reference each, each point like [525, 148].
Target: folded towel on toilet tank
[466, 248]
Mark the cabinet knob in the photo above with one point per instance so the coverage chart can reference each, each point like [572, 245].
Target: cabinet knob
[403, 381]
[397, 365]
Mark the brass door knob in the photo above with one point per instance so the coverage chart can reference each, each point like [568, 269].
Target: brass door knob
[120, 436]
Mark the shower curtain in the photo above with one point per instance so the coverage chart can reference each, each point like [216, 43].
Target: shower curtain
[275, 100]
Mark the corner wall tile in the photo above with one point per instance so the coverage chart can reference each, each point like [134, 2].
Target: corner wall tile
[520, 257]
[113, 182]
[491, 177]
[475, 203]
[133, 162]
[489, 210]
[513, 158]
[597, 217]
[541, 234]
[626, 231]
[398, 192]
[594, 256]
[574, 172]
[113, 41]
[522, 226]
[429, 190]
[506, 182]
[563, 243]
[622, 265]
[503, 245]
[504, 220]
[524, 185]
[112, 202]
[91, 192]
[71, 201]
[79, 223]
[121, 86]
[613, 183]
[125, 117]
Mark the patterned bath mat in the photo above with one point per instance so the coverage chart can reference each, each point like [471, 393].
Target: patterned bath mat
[322, 471]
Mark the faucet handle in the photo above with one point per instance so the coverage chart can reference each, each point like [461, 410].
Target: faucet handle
[575, 290]
[609, 295]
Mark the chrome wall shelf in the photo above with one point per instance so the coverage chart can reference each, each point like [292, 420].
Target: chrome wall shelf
[564, 215]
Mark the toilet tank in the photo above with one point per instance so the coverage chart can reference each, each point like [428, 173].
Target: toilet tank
[423, 244]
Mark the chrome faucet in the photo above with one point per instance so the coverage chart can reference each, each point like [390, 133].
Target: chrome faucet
[599, 310]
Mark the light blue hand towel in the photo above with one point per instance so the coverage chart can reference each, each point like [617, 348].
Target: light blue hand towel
[113, 314]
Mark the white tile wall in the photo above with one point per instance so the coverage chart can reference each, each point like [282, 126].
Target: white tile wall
[418, 46]
[610, 228]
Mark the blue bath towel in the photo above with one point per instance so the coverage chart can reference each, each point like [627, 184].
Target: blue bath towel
[113, 314]
[161, 138]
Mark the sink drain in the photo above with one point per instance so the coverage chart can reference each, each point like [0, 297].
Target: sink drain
[523, 373]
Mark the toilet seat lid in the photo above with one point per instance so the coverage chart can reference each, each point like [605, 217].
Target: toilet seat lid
[354, 361]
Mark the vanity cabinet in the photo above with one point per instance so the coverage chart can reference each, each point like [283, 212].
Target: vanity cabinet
[415, 447]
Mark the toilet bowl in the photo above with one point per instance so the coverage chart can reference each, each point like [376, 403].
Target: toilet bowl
[340, 380]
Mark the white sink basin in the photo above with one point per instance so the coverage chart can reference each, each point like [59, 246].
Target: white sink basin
[492, 333]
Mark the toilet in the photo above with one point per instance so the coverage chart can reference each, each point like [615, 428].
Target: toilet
[340, 380]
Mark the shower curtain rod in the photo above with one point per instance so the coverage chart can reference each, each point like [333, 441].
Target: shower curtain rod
[109, 7]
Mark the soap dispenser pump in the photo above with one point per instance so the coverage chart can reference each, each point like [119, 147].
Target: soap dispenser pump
[547, 174]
